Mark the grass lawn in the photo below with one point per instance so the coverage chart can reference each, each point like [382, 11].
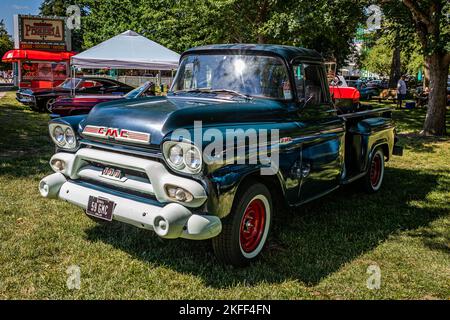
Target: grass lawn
[321, 251]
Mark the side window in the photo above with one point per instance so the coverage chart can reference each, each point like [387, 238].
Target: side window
[313, 84]
[299, 81]
[108, 84]
[90, 84]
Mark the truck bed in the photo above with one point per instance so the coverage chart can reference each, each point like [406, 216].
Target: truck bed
[365, 130]
[378, 112]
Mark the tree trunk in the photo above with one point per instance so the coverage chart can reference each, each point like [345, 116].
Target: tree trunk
[394, 75]
[261, 39]
[437, 100]
[426, 75]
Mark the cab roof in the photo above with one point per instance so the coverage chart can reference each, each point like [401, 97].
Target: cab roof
[286, 52]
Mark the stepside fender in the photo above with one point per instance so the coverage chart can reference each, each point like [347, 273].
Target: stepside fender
[369, 134]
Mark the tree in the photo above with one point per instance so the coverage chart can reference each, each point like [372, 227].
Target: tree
[430, 20]
[6, 44]
[378, 58]
[325, 25]
[59, 7]
[396, 66]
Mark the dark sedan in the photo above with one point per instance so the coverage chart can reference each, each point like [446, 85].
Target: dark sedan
[41, 99]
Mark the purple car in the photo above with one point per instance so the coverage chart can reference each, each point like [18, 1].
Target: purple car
[82, 104]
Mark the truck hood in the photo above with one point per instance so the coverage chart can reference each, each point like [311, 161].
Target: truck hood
[159, 116]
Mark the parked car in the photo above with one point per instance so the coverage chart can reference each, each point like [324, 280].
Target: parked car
[149, 162]
[366, 91]
[82, 104]
[40, 99]
[380, 84]
[344, 97]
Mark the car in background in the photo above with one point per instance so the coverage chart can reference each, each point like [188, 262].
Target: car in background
[378, 83]
[40, 99]
[345, 97]
[82, 104]
[366, 91]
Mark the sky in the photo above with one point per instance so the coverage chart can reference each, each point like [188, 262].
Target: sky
[8, 8]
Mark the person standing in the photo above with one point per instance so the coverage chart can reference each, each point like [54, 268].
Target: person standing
[401, 91]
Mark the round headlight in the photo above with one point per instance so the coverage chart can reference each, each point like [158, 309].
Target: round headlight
[193, 159]
[70, 137]
[176, 155]
[58, 134]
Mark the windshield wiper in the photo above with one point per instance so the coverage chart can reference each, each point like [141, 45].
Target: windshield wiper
[205, 90]
[246, 96]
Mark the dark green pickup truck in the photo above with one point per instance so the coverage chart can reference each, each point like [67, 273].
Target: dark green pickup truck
[245, 131]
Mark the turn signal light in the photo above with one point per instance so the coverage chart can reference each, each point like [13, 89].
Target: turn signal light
[179, 194]
[58, 165]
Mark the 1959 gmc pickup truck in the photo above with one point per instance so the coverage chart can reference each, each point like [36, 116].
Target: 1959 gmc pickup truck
[245, 131]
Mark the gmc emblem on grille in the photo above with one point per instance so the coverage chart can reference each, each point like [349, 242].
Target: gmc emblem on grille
[108, 172]
[117, 134]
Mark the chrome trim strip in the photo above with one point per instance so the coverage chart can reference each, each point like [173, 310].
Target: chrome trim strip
[118, 148]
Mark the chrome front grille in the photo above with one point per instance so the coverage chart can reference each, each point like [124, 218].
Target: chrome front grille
[136, 183]
[143, 176]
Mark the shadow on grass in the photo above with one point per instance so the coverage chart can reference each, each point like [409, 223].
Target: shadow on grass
[420, 143]
[406, 120]
[306, 245]
[24, 132]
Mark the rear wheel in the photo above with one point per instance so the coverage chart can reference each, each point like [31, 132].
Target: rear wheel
[246, 228]
[374, 178]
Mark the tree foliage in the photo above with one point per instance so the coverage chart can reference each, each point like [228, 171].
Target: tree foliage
[59, 7]
[430, 21]
[6, 44]
[325, 25]
[378, 58]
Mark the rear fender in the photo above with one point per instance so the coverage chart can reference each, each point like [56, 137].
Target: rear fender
[367, 135]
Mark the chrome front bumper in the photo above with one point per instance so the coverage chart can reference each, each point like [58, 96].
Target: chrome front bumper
[167, 218]
[26, 99]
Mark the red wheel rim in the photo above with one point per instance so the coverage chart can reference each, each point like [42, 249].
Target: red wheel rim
[375, 170]
[252, 225]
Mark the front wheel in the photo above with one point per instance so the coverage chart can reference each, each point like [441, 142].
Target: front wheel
[246, 228]
[49, 104]
[374, 178]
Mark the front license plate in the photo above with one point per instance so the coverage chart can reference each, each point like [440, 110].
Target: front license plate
[100, 208]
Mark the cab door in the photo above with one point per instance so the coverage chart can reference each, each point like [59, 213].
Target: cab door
[322, 132]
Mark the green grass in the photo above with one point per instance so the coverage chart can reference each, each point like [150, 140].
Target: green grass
[321, 251]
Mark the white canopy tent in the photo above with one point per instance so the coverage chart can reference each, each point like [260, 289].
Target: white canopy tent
[128, 50]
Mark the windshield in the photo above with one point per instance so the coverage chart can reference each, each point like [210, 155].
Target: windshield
[258, 76]
[70, 83]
